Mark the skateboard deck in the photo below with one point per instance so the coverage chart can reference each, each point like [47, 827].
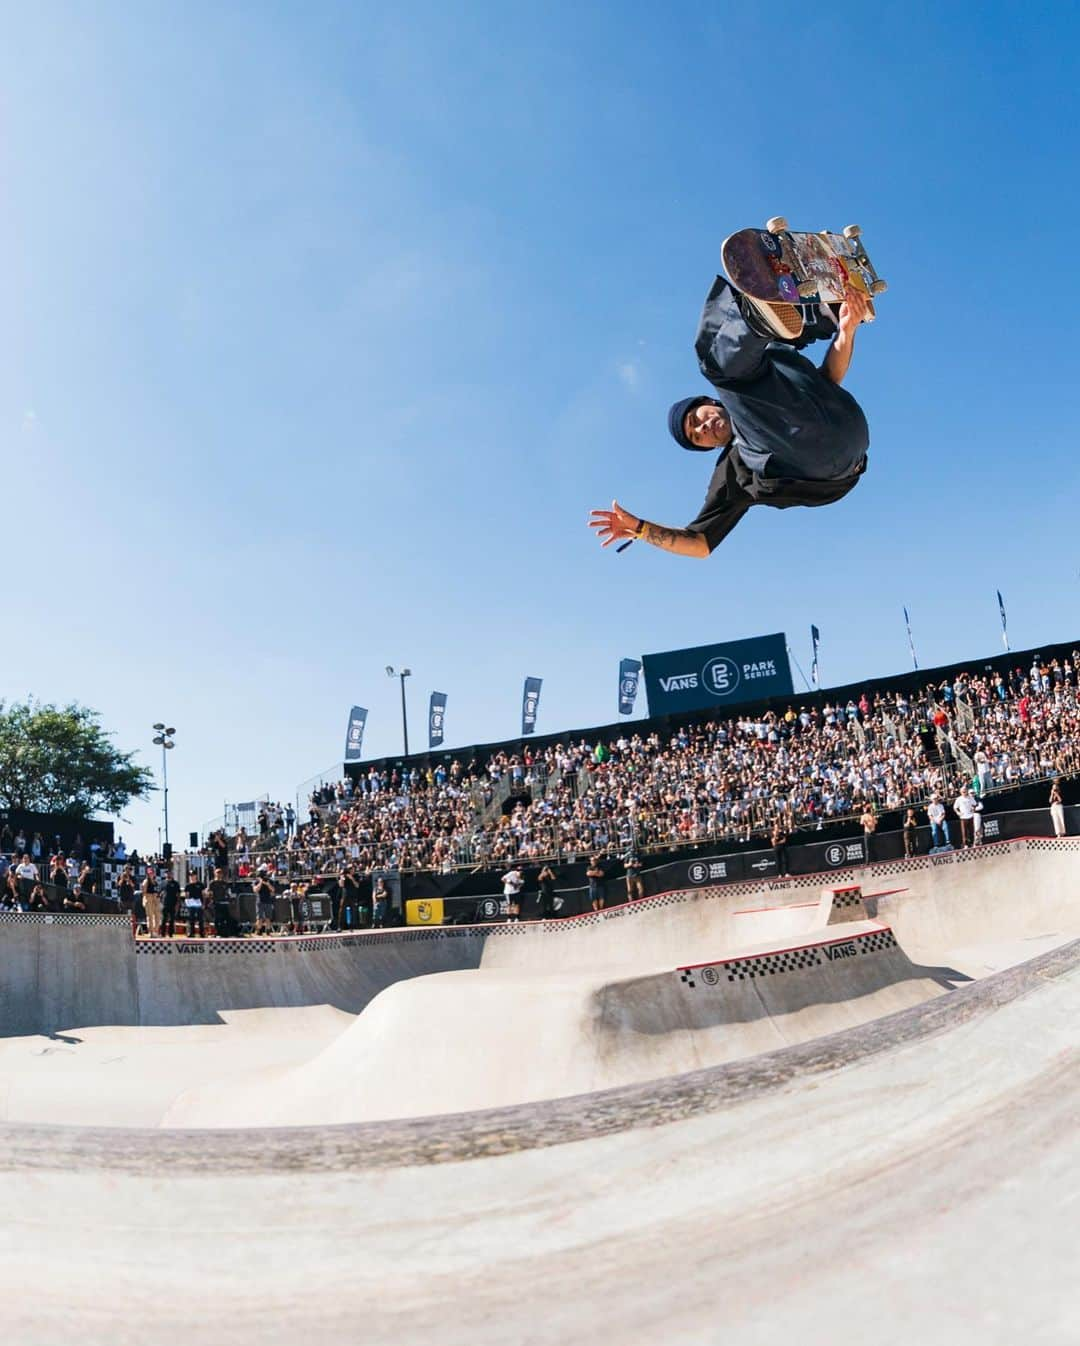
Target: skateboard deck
[782, 266]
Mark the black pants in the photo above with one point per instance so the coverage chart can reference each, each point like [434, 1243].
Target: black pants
[223, 920]
[168, 918]
[196, 916]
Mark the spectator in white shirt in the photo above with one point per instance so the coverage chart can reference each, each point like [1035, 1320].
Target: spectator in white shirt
[513, 882]
[939, 827]
[26, 872]
[1057, 810]
[964, 808]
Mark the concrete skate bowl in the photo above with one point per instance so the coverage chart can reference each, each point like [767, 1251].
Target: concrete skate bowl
[384, 1025]
[702, 1090]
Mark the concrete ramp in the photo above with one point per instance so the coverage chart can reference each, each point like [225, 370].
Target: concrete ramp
[77, 972]
[492, 1037]
[840, 905]
[470, 1017]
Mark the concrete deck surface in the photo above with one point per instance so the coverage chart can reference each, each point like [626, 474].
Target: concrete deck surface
[913, 1176]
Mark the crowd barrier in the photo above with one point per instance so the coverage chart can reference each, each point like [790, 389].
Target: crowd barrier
[429, 898]
[718, 867]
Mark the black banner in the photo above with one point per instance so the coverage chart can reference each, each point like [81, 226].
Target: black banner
[530, 704]
[629, 669]
[354, 737]
[711, 677]
[436, 719]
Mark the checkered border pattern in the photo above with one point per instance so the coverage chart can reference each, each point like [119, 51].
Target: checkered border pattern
[63, 918]
[302, 944]
[847, 901]
[565, 926]
[775, 964]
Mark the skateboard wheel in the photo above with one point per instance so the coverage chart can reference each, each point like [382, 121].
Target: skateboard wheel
[807, 289]
[777, 225]
[852, 231]
[879, 287]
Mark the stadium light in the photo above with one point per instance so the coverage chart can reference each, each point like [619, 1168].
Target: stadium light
[163, 739]
[392, 672]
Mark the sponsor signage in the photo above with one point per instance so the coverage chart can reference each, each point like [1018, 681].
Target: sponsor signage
[354, 734]
[699, 873]
[629, 670]
[530, 704]
[424, 911]
[762, 866]
[708, 677]
[436, 719]
[833, 855]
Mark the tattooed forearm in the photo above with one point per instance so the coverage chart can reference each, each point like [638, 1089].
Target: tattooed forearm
[681, 541]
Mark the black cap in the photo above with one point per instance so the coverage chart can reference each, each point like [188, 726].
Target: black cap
[677, 420]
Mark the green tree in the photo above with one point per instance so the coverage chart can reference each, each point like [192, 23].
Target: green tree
[59, 760]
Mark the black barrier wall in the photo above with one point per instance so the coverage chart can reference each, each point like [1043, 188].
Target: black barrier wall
[707, 869]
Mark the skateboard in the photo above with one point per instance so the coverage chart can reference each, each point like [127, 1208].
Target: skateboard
[780, 266]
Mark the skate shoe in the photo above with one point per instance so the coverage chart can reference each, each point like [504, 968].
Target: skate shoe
[772, 319]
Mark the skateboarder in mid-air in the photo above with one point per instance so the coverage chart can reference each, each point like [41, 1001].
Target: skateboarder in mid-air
[790, 435]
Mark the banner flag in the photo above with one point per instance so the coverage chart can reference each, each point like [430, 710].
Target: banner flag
[910, 641]
[530, 703]
[815, 636]
[436, 716]
[628, 684]
[354, 736]
[1004, 624]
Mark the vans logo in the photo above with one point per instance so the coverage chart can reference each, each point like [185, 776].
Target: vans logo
[679, 682]
[834, 951]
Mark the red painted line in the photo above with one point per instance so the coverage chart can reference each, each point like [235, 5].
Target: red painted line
[984, 846]
[791, 906]
[773, 953]
[889, 892]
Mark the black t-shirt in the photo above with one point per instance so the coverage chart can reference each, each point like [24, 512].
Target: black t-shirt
[219, 891]
[195, 890]
[788, 418]
[171, 893]
[798, 438]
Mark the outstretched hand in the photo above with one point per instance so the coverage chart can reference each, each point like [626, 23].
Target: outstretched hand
[614, 524]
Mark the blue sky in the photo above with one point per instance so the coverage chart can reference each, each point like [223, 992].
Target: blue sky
[325, 325]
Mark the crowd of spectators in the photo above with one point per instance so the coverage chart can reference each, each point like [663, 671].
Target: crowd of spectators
[63, 883]
[719, 780]
[744, 779]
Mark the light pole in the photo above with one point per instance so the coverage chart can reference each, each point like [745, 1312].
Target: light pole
[402, 674]
[164, 740]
